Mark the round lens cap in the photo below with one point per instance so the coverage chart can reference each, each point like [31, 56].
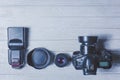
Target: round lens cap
[39, 58]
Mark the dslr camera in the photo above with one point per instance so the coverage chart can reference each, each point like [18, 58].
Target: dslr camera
[89, 58]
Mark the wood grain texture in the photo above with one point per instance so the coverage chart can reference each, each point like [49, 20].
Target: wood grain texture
[56, 25]
[59, 2]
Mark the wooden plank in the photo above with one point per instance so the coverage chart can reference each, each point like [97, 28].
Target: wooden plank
[58, 11]
[64, 22]
[58, 76]
[59, 2]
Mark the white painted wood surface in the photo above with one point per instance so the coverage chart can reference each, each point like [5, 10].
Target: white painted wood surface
[56, 25]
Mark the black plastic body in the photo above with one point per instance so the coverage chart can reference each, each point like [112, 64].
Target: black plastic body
[17, 43]
[105, 59]
[88, 58]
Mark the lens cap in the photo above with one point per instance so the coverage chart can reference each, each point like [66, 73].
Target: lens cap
[62, 60]
[40, 58]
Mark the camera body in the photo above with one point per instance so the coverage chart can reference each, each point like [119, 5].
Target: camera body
[88, 58]
[104, 59]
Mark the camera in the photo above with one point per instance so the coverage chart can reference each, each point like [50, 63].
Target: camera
[89, 58]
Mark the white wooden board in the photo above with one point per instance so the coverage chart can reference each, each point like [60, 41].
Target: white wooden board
[56, 25]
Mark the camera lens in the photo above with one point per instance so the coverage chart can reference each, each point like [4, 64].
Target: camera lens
[87, 39]
[62, 60]
[40, 58]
